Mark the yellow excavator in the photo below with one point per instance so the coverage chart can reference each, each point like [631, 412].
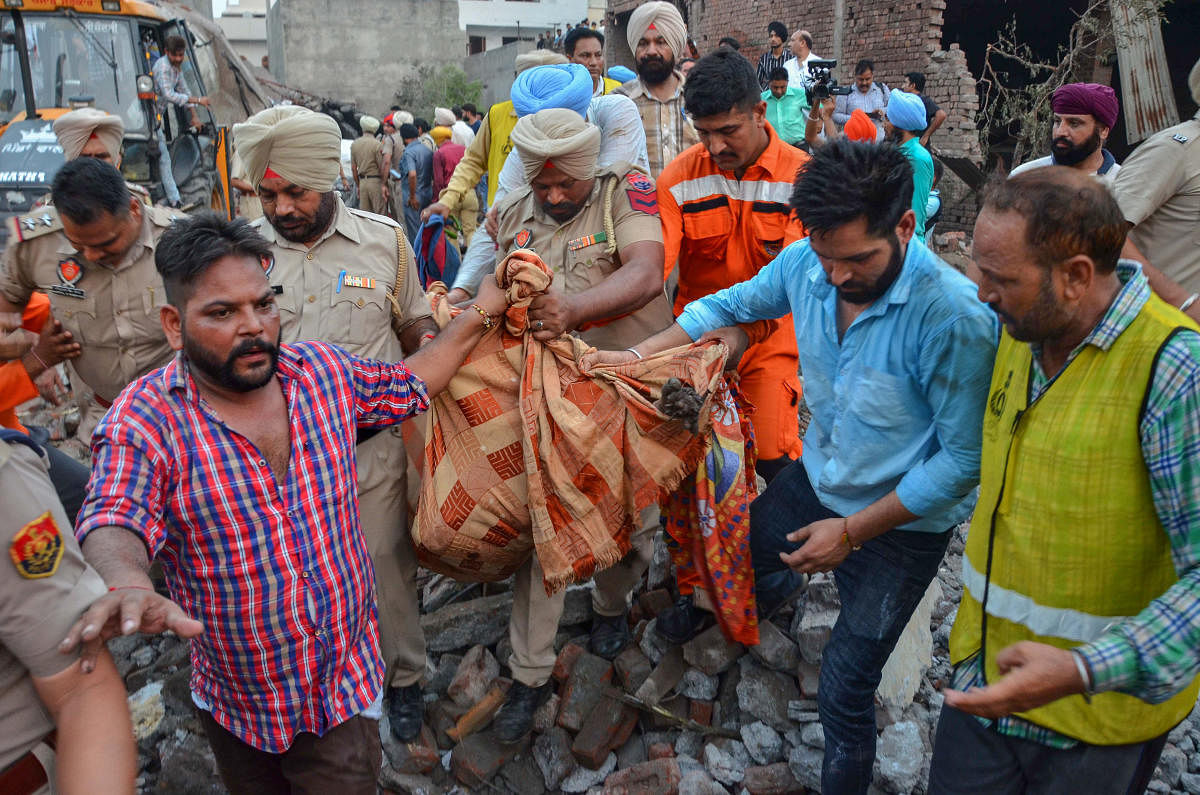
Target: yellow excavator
[60, 54]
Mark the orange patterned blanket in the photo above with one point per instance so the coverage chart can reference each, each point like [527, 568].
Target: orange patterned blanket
[524, 451]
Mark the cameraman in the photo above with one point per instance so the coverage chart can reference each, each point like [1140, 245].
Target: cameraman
[868, 96]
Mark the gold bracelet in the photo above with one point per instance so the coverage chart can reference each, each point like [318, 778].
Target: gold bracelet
[488, 323]
[846, 535]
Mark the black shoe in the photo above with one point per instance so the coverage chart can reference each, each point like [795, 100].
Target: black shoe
[406, 711]
[610, 635]
[767, 608]
[514, 721]
[682, 622]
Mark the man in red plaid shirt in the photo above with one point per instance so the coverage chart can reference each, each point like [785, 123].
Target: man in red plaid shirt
[234, 466]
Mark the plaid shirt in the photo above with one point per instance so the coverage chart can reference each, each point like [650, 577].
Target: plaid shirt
[277, 571]
[668, 129]
[1142, 656]
[169, 84]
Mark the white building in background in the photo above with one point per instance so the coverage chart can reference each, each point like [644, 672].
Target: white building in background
[245, 25]
[493, 23]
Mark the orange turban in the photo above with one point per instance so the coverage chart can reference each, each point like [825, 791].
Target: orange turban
[860, 127]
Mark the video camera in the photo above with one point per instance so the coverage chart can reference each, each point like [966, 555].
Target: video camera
[822, 84]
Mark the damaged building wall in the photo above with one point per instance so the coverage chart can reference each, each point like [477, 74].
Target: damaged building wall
[898, 35]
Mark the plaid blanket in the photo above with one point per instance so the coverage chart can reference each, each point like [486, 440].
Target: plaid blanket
[524, 451]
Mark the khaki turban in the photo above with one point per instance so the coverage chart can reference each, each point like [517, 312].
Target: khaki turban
[666, 20]
[300, 145]
[368, 124]
[401, 117]
[75, 128]
[528, 60]
[558, 138]
[443, 117]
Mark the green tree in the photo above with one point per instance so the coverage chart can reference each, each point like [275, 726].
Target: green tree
[434, 86]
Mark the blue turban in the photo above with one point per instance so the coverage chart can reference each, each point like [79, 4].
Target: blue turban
[622, 73]
[906, 111]
[557, 86]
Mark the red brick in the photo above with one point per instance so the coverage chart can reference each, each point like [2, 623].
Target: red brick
[701, 712]
[632, 668]
[655, 777]
[566, 661]
[477, 758]
[415, 758]
[660, 751]
[776, 779]
[605, 728]
[582, 690]
[654, 602]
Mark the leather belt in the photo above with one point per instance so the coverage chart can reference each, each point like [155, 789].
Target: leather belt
[365, 434]
[369, 176]
[26, 775]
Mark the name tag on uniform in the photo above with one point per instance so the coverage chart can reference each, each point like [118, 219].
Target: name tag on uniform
[67, 290]
[587, 240]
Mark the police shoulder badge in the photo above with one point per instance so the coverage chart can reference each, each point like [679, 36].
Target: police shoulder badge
[521, 239]
[70, 271]
[641, 192]
[37, 548]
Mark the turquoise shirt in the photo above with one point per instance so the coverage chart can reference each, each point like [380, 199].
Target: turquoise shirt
[787, 113]
[922, 163]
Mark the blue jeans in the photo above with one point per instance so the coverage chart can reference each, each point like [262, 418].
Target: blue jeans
[164, 165]
[880, 586]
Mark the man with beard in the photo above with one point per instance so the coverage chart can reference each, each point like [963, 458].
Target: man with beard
[347, 277]
[897, 353]
[657, 35]
[775, 56]
[1084, 114]
[903, 125]
[235, 464]
[1077, 642]
[608, 288]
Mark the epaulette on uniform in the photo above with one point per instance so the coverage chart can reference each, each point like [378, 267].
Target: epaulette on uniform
[141, 193]
[372, 216]
[164, 216]
[35, 223]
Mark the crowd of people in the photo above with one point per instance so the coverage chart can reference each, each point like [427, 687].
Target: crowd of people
[243, 385]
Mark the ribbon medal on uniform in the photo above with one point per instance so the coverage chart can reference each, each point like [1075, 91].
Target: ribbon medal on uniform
[37, 548]
[587, 240]
[641, 192]
[521, 240]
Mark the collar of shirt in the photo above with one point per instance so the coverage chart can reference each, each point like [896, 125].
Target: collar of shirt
[639, 89]
[1132, 296]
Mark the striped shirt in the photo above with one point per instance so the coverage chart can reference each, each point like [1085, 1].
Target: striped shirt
[768, 63]
[277, 571]
[1153, 654]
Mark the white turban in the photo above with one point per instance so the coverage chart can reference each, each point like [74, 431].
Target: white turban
[665, 18]
[401, 117]
[557, 138]
[74, 129]
[368, 124]
[300, 145]
[528, 60]
[443, 117]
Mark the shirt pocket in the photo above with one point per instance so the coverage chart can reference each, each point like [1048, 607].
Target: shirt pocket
[707, 226]
[881, 400]
[78, 316]
[770, 226]
[356, 315]
[587, 267]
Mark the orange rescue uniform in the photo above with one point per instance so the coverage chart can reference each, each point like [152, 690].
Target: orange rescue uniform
[722, 231]
[15, 384]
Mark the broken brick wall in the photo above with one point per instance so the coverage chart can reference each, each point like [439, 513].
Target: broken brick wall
[898, 35]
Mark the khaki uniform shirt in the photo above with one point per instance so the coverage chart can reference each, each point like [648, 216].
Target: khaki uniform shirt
[337, 291]
[391, 147]
[45, 585]
[668, 129]
[577, 251]
[113, 313]
[366, 154]
[1158, 189]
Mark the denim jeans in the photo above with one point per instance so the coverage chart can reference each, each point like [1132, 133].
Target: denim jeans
[164, 165]
[879, 585]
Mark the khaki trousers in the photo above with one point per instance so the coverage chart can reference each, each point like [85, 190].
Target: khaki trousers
[535, 616]
[382, 511]
[370, 195]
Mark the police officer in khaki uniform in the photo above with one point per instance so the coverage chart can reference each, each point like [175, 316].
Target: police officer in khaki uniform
[600, 233]
[93, 254]
[366, 157]
[348, 277]
[45, 586]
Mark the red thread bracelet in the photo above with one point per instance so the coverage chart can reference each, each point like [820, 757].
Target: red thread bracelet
[127, 587]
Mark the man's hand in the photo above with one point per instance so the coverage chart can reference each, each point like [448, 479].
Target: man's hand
[53, 345]
[551, 315]
[436, 208]
[387, 194]
[413, 203]
[1033, 674]
[15, 341]
[491, 223]
[122, 612]
[823, 548]
[457, 295]
[490, 297]
[735, 340]
[50, 386]
[205, 101]
[605, 358]
[827, 106]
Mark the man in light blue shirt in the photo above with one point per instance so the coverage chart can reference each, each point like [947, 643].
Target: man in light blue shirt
[787, 105]
[897, 352]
